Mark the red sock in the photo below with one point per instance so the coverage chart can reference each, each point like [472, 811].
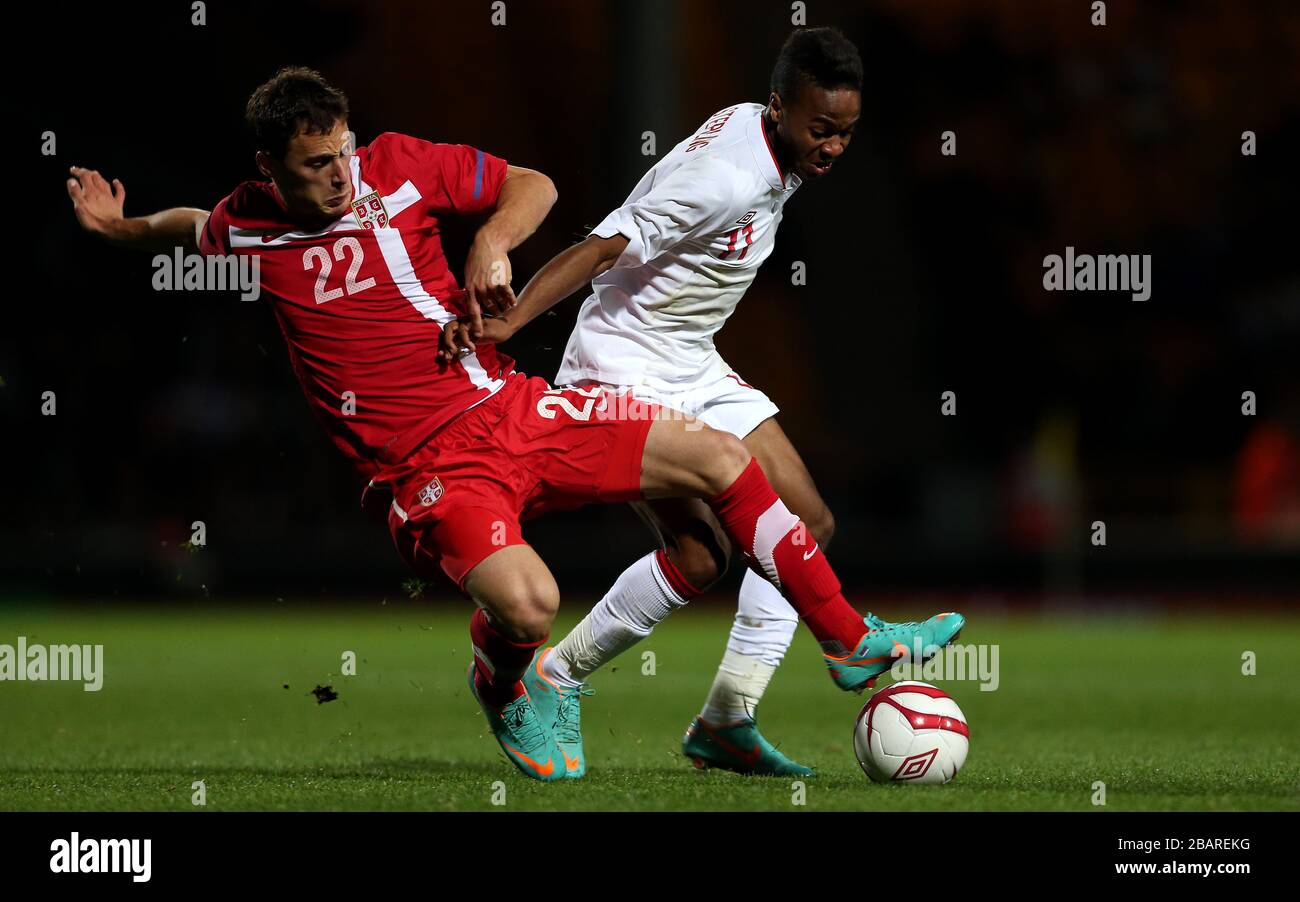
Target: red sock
[780, 548]
[499, 661]
[680, 584]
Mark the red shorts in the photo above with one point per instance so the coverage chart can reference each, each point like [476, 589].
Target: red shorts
[526, 450]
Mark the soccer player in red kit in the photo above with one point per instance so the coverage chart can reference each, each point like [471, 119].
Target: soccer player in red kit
[350, 259]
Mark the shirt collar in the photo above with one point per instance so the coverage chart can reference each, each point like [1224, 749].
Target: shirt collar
[765, 156]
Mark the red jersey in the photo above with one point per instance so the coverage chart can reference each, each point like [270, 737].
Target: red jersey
[362, 302]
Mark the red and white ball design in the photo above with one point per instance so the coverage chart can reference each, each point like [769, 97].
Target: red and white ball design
[911, 732]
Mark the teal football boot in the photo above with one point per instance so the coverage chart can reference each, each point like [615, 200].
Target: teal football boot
[885, 642]
[528, 744]
[560, 710]
[738, 747]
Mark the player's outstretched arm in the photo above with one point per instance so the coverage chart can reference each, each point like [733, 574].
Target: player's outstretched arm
[525, 199]
[98, 206]
[562, 276]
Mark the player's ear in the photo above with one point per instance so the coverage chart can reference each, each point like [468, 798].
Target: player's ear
[774, 108]
[263, 163]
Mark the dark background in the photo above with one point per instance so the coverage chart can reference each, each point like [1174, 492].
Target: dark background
[924, 275]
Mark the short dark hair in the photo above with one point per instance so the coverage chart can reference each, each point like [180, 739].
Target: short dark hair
[295, 97]
[816, 56]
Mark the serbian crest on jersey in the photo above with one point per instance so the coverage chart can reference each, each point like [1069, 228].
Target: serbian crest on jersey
[431, 492]
[370, 211]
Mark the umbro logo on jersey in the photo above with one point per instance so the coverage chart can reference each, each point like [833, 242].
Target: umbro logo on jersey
[431, 492]
[747, 218]
[370, 211]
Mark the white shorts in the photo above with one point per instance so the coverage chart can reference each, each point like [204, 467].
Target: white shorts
[727, 403]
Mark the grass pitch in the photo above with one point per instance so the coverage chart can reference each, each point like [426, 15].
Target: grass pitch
[1155, 707]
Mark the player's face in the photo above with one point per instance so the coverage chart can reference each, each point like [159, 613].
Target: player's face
[816, 127]
[313, 177]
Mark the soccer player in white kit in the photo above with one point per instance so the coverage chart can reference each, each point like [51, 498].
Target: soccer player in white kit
[667, 270]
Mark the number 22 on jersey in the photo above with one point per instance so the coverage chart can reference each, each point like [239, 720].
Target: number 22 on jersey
[316, 254]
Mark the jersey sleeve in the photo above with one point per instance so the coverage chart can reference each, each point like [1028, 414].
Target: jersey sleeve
[693, 201]
[454, 178]
[215, 237]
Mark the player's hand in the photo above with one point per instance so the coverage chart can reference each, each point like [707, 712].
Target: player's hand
[98, 204]
[458, 338]
[487, 281]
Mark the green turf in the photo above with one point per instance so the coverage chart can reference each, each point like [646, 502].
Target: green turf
[1157, 708]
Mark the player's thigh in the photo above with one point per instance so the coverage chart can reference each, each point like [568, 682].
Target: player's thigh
[789, 475]
[575, 445]
[690, 534]
[517, 589]
[685, 458]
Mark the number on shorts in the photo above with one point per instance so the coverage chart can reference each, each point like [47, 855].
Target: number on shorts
[555, 398]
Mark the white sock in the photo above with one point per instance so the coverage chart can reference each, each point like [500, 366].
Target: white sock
[765, 622]
[761, 634]
[737, 689]
[639, 600]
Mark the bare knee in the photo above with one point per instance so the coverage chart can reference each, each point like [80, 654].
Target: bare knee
[723, 458]
[518, 592]
[525, 611]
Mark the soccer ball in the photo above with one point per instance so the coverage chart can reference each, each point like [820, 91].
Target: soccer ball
[911, 732]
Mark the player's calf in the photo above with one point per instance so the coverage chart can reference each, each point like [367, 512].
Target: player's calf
[699, 557]
[518, 599]
[822, 526]
[499, 660]
[719, 468]
[683, 457]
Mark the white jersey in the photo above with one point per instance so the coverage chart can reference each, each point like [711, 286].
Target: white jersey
[698, 224]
